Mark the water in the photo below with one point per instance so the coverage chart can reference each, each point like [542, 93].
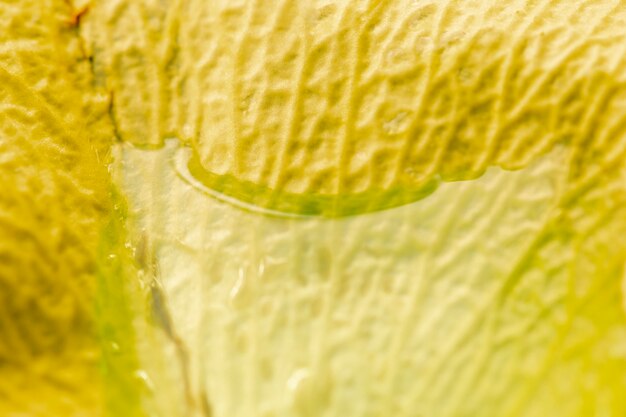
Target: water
[433, 308]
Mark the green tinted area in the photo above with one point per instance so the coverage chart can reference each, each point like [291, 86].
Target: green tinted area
[283, 203]
[140, 377]
[499, 296]
[117, 317]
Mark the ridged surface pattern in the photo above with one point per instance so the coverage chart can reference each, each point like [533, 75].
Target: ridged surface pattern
[363, 98]
[53, 199]
[501, 296]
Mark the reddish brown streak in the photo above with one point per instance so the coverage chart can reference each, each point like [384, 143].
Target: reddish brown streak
[74, 21]
[77, 15]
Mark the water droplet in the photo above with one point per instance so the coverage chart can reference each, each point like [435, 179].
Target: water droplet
[325, 12]
[423, 45]
[310, 391]
[452, 38]
[412, 172]
[624, 290]
[397, 124]
[394, 56]
[187, 130]
[238, 291]
[145, 379]
[297, 380]
[465, 75]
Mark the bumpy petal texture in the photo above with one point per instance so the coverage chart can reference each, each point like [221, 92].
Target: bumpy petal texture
[289, 104]
[374, 208]
[411, 208]
[54, 140]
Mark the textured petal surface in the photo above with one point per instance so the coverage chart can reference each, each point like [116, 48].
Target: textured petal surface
[54, 138]
[500, 295]
[368, 208]
[366, 100]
